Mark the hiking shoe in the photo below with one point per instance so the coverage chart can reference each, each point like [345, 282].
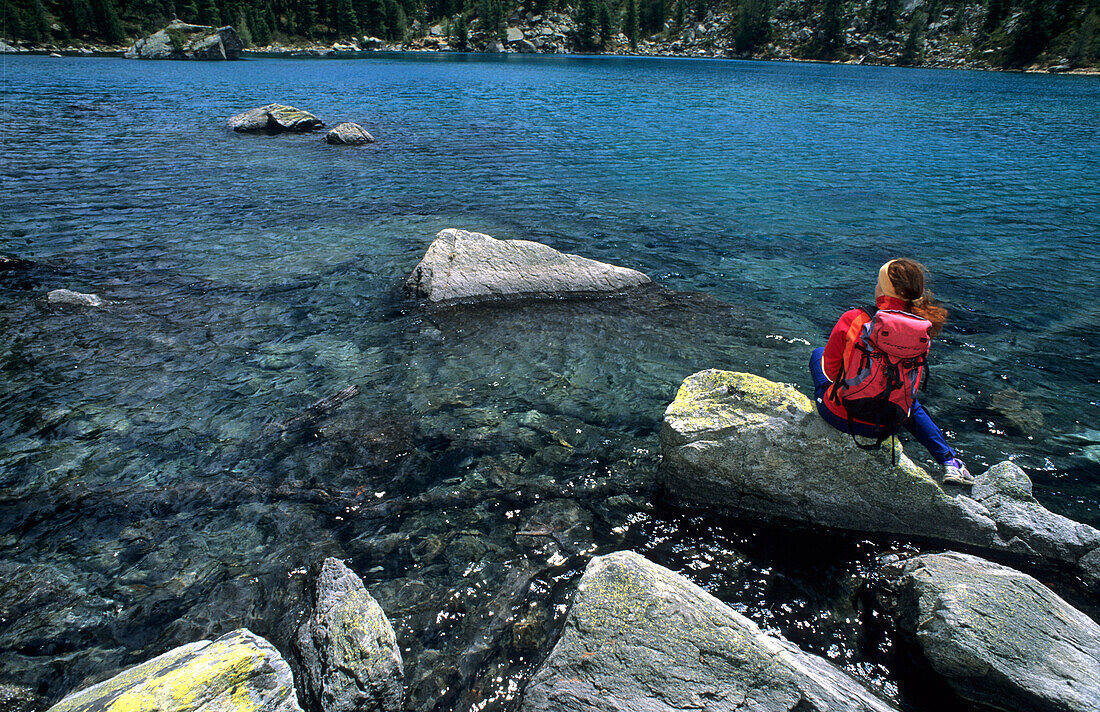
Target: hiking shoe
[955, 473]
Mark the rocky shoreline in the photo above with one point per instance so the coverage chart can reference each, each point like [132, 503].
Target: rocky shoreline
[641, 636]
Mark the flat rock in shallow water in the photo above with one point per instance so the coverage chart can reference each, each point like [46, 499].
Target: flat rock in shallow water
[742, 444]
[998, 636]
[346, 648]
[349, 134]
[640, 637]
[466, 267]
[274, 118]
[180, 40]
[71, 298]
[238, 671]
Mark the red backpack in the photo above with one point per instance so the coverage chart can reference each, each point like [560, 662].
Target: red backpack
[884, 362]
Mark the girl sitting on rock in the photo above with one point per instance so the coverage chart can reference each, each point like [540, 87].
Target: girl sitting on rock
[866, 376]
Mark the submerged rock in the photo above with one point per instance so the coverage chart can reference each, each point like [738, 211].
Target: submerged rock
[180, 40]
[346, 647]
[274, 118]
[745, 445]
[998, 636]
[239, 670]
[349, 134]
[19, 699]
[464, 267]
[640, 637]
[71, 298]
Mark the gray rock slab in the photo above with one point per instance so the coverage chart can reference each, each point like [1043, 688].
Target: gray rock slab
[239, 670]
[745, 445]
[640, 638]
[466, 267]
[180, 40]
[998, 636]
[274, 118]
[71, 298]
[346, 648]
[349, 134]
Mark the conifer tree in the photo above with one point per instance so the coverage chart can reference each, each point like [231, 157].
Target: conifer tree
[603, 19]
[347, 24]
[584, 18]
[108, 24]
[630, 23]
[190, 11]
[679, 15]
[460, 33]
[209, 14]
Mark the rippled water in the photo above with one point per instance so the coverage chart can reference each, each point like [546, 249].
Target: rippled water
[149, 495]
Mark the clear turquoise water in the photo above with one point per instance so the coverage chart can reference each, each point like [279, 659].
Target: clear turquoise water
[146, 500]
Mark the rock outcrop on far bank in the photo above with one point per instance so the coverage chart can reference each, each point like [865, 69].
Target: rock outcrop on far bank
[346, 649]
[745, 445]
[998, 636]
[180, 40]
[469, 267]
[239, 670]
[640, 637]
[274, 118]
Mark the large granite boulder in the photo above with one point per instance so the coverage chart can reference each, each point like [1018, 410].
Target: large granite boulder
[747, 446]
[179, 40]
[346, 648]
[640, 637]
[348, 133]
[238, 671]
[466, 267]
[998, 636]
[274, 118]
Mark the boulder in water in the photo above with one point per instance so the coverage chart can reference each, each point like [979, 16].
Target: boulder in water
[346, 648]
[742, 444]
[180, 40]
[349, 134]
[274, 118]
[75, 299]
[998, 636]
[239, 670]
[465, 267]
[640, 637]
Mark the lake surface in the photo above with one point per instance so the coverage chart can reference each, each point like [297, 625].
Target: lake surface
[149, 496]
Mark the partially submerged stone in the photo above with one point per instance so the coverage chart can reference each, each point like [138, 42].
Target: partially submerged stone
[465, 267]
[346, 648]
[640, 637]
[998, 636]
[238, 671]
[745, 445]
[274, 118]
[180, 40]
[349, 134]
[71, 298]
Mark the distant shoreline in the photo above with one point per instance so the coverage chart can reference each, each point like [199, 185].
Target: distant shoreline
[325, 52]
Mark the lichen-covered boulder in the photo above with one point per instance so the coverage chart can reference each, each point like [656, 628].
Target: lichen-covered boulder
[75, 299]
[748, 446]
[466, 267]
[998, 636]
[180, 40]
[346, 649]
[274, 118]
[640, 637]
[348, 134]
[238, 671]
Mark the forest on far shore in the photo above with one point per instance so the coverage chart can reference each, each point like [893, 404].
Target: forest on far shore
[1004, 33]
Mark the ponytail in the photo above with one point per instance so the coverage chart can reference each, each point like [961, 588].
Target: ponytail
[927, 307]
[907, 278]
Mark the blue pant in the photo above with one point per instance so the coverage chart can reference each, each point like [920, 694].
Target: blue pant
[919, 423]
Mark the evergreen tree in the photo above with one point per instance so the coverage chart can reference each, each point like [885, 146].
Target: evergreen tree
[584, 18]
[79, 18]
[1032, 33]
[459, 33]
[347, 24]
[108, 24]
[491, 14]
[603, 20]
[630, 23]
[209, 14]
[883, 14]
[751, 25]
[37, 23]
[190, 11]
[679, 14]
[306, 18]
[261, 30]
[913, 49]
[828, 39]
[651, 15]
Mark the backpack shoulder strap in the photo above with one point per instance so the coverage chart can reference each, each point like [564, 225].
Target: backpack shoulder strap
[853, 333]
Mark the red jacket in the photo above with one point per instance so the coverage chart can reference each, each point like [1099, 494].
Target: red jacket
[832, 359]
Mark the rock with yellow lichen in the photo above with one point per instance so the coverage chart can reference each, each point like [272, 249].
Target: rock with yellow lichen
[238, 672]
[640, 637]
[745, 445]
[346, 650]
